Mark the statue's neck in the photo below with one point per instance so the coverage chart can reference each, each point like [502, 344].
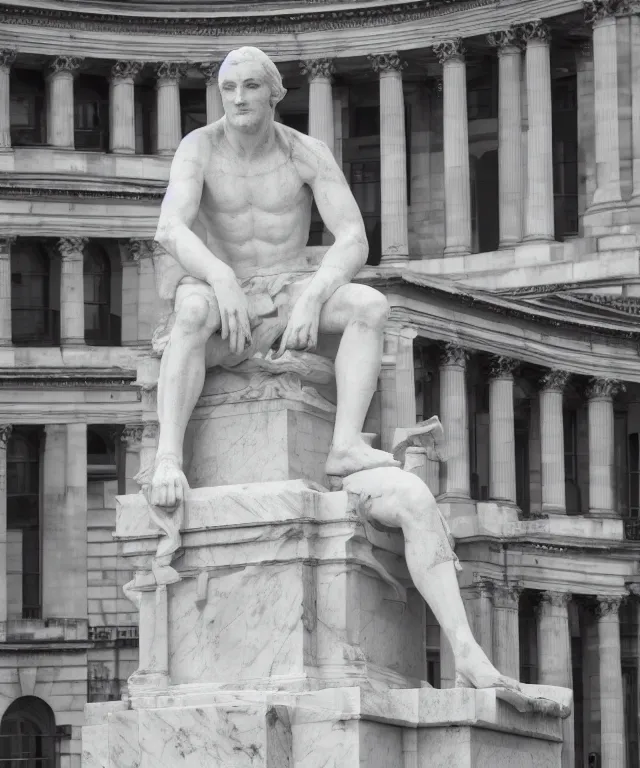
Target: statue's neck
[251, 145]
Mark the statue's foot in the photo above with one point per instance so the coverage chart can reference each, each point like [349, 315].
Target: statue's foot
[356, 458]
[168, 484]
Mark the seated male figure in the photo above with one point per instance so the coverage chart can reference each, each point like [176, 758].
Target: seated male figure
[235, 218]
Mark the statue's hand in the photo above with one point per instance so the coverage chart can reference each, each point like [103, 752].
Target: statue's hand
[302, 329]
[234, 314]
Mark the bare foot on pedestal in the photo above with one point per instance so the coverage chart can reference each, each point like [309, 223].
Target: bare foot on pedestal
[355, 458]
[169, 484]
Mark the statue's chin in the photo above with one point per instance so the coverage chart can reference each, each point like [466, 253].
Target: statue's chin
[246, 123]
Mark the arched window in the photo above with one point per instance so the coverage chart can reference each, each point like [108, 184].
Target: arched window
[27, 735]
[23, 521]
[32, 319]
[97, 295]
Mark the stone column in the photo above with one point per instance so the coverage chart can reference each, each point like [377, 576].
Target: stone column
[5, 290]
[455, 421]
[602, 14]
[320, 72]
[509, 135]
[479, 606]
[393, 158]
[635, 105]
[539, 203]
[397, 385]
[210, 70]
[60, 106]
[5, 433]
[502, 437]
[457, 180]
[147, 297]
[552, 442]
[168, 105]
[148, 450]
[612, 741]
[129, 332]
[600, 393]
[554, 657]
[64, 522]
[122, 116]
[586, 129]
[7, 57]
[132, 441]
[506, 642]
[72, 290]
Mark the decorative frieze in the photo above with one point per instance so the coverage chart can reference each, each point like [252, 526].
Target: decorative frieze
[533, 31]
[318, 68]
[604, 389]
[449, 50]
[65, 64]
[386, 62]
[7, 57]
[126, 70]
[210, 70]
[555, 380]
[599, 10]
[172, 71]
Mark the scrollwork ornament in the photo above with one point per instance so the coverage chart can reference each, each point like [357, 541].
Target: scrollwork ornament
[599, 10]
[72, 247]
[386, 62]
[502, 367]
[126, 70]
[604, 388]
[450, 50]
[505, 40]
[65, 64]
[171, 70]
[533, 31]
[210, 70]
[555, 380]
[452, 354]
[608, 606]
[7, 57]
[318, 68]
[5, 434]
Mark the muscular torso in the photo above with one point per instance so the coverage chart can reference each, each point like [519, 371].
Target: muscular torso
[255, 214]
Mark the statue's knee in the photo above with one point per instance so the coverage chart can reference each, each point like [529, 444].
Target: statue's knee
[193, 314]
[373, 308]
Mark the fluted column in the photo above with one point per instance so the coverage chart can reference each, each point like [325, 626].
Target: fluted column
[168, 105]
[210, 70]
[393, 158]
[457, 180]
[502, 440]
[506, 633]
[455, 420]
[602, 14]
[122, 116]
[509, 135]
[60, 106]
[552, 442]
[635, 104]
[147, 299]
[132, 442]
[600, 393]
[479, 606]
[554, 657]
[72, 290]
[5, 433]
[5, 290]
[320, 72]
[7, 57]
[539, 203]
[129, 323]
[612, 742]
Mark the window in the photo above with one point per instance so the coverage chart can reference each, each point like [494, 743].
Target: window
[27, 735]
[100, 326]
[572, 489]
[102, 442]
[565, 156]
[33, 320]
[91, 112]
[28, 121]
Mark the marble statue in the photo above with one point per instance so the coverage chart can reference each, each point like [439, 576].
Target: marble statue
[235, 220]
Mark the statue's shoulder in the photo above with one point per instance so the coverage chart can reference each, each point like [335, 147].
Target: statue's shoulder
[308, 154]
[200, 143]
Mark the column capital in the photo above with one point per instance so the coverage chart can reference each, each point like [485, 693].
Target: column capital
[453, 355]
[506, 595]
[65, 64]
[126, 70]
[5, 434]
[604, 389]
[506, 41]
[210, 70]
[534, 31]
[450, 50]
[72, 248]
[554, 380]
[132, 435]
[484, 586]
[140, 249]
[608, 605]
[386, 62]
[6, 241]
[7, 57]
[316, 69]
[502, 367]
[601, 10]
[170, 71]
[150, 430]
[555, 599]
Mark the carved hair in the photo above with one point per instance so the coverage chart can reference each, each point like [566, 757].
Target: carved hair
[272, 75]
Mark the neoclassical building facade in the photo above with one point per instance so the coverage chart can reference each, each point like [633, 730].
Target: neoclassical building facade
[494, 149]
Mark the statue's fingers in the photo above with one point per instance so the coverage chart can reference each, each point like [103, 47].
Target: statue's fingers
[224, 322]
[283, 344]
[170, 495]
[233, 334]
[178, 491]
[161, 496]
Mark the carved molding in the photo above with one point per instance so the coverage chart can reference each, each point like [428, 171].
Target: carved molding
[314, 68]
[171, 71]
[210, 70]
[452, 354]
[608, 605]
[132, 434]
[506, 40]
[126, 70]
[450, 50]
[533, 31]
[5, 434]
[65, 64]
[555, 380]
[386, 62]
[599, 10]
[7, 57]
[502, 367]
[604, 388]
[79, 194]
[72, 247]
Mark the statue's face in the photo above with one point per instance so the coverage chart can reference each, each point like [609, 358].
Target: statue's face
[246, 96]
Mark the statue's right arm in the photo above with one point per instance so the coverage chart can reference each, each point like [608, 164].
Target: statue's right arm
[179, 209]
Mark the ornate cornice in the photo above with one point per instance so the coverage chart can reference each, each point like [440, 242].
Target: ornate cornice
[555, 380]
[453, 355]
[65, 64]
[607, 606]
[599, 10]
[386, 62]
[533, 31]
[450, 50]
[5, 434]
[316, 68]
[72, 247]
[604, 388]
[7, 57]
[210, 70]
[502, 367]
[506, 40]
[79, 194]
[126, 70]
[65, 380]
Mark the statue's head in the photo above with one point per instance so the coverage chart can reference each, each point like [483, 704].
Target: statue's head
[251, 86]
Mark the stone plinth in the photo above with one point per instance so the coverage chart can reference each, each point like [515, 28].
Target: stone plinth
[340, 727]
[282, 586]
